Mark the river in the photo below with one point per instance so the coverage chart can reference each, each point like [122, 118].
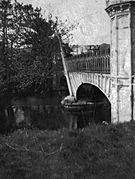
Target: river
[42, 113]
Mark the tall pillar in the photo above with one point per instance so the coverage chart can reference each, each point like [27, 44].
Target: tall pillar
[122, 15]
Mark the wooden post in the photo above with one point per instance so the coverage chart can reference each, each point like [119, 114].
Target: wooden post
[64, 66]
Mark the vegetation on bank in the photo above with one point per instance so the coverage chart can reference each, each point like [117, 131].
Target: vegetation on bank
[29, 48]
[96, 152]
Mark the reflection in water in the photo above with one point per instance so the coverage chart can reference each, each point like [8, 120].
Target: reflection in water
[7, 119]
[44, 114]
[97, 113]
[33, 112]
[19, 114]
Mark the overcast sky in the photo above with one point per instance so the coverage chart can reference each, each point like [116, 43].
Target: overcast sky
[94, 23]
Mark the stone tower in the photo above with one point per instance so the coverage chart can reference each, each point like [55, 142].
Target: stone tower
[122, 15]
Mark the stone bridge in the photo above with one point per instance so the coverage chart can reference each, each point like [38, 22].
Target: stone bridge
[112, 73]
[93, 69]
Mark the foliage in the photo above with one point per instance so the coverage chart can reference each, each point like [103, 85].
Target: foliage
[95, 152]
[29, 48]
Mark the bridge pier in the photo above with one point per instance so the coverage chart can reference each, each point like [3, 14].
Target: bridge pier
[122, 59]
[121, 101]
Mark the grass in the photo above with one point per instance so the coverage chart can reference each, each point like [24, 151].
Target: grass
[96, 152]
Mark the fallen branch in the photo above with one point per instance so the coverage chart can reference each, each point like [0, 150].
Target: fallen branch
[24, 149]
[11, 147]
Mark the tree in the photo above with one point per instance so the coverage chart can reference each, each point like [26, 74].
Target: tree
[30, 49]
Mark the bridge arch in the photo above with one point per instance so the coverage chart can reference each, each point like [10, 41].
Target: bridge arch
[91, 88]
[91, 93]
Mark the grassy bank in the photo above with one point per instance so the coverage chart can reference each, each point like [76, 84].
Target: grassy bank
[97, 152]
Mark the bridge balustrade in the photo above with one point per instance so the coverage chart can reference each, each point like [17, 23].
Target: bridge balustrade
[93, 64]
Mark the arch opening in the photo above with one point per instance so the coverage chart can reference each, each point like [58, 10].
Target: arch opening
[101, 110]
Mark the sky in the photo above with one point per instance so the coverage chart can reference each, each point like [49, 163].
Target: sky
[94, 23]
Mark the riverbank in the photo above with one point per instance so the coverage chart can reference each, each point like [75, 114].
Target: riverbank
[96, 152]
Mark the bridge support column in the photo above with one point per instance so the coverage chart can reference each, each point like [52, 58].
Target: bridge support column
[122, 14]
